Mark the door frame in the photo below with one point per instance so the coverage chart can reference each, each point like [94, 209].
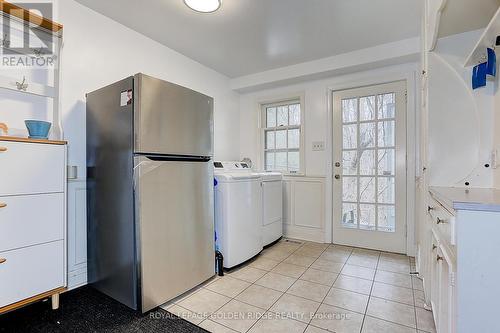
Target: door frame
[382, 76]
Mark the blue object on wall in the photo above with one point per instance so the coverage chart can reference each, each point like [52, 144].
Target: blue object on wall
[479, 76]
[491, 67]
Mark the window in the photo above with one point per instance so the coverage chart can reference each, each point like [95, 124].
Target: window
[282, 124]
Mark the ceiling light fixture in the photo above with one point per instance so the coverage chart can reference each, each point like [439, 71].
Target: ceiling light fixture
[203, 6]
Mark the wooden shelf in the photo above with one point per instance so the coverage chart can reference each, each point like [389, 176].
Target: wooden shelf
[26, 15]
[488, 39]
[28, 140]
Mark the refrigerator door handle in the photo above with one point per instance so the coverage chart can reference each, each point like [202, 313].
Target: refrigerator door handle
[167, 158]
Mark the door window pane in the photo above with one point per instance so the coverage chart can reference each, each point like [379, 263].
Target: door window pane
[367, 108]
[350, 162]
[367, 135]
[367, 189]
[349, 215]
[387, 162]
[387, 218]
[282, 116]
[386, 190]
[281, 161]
[350, 189]
[294, 138]
[270, 161]
[386, 106]
[270, 140]
[281, 139]
[367, 163]
[271, 117]
[294, 114]
[367, 217]
[349, 110]
[293, 161]
[386, 133]
[350, 136]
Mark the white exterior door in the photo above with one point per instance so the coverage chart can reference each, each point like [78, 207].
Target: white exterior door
[369, 156]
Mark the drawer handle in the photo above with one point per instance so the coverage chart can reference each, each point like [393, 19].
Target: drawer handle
[2, 260]
[440, 221]
[3, 149]
[3, 205]
[439, 258]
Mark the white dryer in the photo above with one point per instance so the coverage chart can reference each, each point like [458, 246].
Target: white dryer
[272, 207]
[238, 212]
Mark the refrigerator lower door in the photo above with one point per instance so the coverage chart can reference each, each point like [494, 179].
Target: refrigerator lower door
[174, 220]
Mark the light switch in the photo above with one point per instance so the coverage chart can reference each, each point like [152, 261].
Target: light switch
[318, 146]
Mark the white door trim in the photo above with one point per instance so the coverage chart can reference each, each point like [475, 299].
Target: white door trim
[411, 108]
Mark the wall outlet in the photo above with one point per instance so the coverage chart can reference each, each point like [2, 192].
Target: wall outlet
[318, 146]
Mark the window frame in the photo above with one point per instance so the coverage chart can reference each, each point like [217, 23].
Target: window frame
[301, 127]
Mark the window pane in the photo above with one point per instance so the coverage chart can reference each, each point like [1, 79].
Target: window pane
[386, 133]
[349, 110]
[386, 162]
[349, 215]
[350, 138]
[270, 161]
[350, 189]
[271, 117]
[294, 111]
[283, 115]
[367, 189]
[386, 106]
[387, 218]
[350, 162]
[367, 163]
[367, 135]
[367, 217]
[386, 190]
[294, 138]
[293, 161]
[281, 164]
[367, 108]
[270, 140]
[280, 139]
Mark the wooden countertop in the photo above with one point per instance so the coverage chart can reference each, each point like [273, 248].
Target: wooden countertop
[477, 199]
[28, 140]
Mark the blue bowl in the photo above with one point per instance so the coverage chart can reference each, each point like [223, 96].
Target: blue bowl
[38, 129]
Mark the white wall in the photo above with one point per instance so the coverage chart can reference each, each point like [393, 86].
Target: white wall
[316, 109]
[461, 121]
[98, 51]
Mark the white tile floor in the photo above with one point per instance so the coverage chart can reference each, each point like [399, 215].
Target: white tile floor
[308, 287]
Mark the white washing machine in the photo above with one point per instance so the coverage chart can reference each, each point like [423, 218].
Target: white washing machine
[272, 207]
[238, 212]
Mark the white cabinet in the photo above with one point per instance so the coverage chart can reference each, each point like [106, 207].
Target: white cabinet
[461, 275]
[33, 221]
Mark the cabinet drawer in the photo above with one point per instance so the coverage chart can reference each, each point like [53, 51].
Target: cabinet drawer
[31, 271]
[443, 221]
[30, 168]
[31, 219]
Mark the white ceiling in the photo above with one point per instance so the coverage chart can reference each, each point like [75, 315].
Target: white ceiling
[250, 36]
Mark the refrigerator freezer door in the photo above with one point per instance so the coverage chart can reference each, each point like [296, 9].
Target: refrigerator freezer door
[170, 119]
[175, 226]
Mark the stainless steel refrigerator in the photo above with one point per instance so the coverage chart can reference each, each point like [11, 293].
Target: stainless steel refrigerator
[150, 190]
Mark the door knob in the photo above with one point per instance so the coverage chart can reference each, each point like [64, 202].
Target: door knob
[337, 176]
[3, 205]
[3, 149]
[2, 260]
[337, 164]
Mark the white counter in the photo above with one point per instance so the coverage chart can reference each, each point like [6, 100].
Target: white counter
[475, 199]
